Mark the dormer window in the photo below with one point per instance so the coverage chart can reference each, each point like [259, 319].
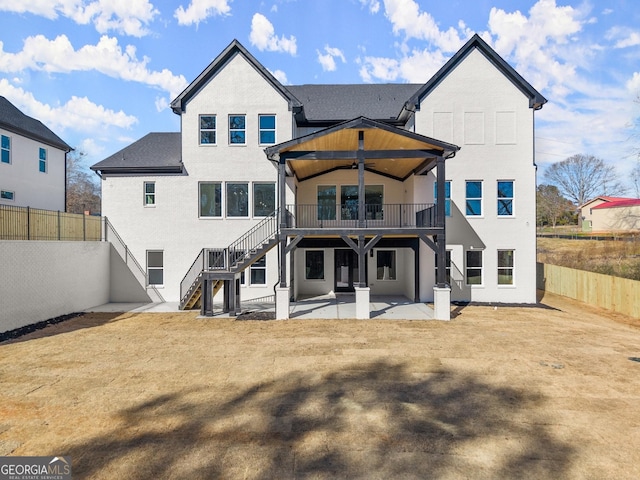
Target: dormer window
[237, 130]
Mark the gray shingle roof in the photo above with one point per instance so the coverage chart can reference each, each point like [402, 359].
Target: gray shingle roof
[344, 102]
[12, 119]
[153, 153]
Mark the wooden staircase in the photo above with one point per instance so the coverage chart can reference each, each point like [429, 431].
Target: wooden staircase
[220, 265]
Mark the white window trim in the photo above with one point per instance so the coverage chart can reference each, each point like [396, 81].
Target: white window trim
[200, 144]
[149, 285]
[248, 277]
[482, 270]
[7, 149]
[13, 194]
[482, 210]
[46, 160]
[229, 130]
[252, 196]
[275, 128]
[222, 202]
[513, 199]
[513, 269]
[144, 195]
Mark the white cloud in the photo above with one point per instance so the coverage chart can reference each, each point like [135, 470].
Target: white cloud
[406, 17]
[91, 148]
[416, 67]
[280, 76]
[107, 57]
[633, 84]
[130, 17]
[263, 37]
[327, 60]
[78, 113]
[199, 10]
[623, 37]
[374, 5]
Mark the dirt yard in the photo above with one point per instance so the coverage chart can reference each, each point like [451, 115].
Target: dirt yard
[549, 392]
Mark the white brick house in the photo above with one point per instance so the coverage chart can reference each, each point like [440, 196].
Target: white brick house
[351, 170]
[32, 162]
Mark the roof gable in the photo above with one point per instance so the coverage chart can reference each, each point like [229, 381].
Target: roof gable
[153, 153]
[536, 100]
[602, 198]
[11, 118]
[235, 48]
[618, 203]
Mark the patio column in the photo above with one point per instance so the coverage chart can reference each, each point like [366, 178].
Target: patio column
[361, 199]
[282, 290]
[442, 291]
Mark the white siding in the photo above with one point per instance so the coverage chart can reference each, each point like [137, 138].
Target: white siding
[492, 122]
[22, 176]
[173, 224]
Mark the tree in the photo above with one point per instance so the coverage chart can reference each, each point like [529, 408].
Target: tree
[635, 177]
[583, 177]
[83, 192]
[552, 207]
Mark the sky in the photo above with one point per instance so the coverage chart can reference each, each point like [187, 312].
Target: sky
[102, 73]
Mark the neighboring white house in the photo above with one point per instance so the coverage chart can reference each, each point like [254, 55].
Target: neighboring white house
[610, 214]
[350, 172]
[32, 162]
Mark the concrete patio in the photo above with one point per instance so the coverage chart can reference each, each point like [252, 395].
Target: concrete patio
[336, 307]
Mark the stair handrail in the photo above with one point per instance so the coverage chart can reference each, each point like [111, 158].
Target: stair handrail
[196, 269]
[263, 231]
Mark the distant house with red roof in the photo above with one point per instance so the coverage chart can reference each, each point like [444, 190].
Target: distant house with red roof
[610, 214]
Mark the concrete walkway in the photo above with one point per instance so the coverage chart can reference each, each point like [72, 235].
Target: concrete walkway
[322, 307]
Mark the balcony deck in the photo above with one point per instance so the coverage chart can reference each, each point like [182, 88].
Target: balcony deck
[397, 218]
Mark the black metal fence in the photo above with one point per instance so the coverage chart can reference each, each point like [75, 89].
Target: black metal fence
[390, 215]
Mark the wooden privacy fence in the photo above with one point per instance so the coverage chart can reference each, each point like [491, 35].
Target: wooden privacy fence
[25, 223]
[613, 293]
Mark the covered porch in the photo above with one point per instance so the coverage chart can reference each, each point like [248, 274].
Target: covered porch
[357, 151]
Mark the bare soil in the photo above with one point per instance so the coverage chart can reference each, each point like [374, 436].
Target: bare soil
[545, 392]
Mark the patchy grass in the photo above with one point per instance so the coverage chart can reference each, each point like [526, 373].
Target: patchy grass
[609, 257]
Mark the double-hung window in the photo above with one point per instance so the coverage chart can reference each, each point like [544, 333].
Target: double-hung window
[42, 160]
[505, 267]
[207, 129]
[259, 272]
[149, 193]
[505, 198]
[210, 199]
[237, 130]
[447, 267]
[5, 148]
[474, 267]
[155, 267]
[267, 126]
[473, 199]
[447, 196]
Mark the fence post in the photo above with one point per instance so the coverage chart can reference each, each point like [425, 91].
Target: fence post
[28, 223]
[58, 225]
[84, 228]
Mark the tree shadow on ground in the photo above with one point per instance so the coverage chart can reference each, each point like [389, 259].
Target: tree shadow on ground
[375, 420]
